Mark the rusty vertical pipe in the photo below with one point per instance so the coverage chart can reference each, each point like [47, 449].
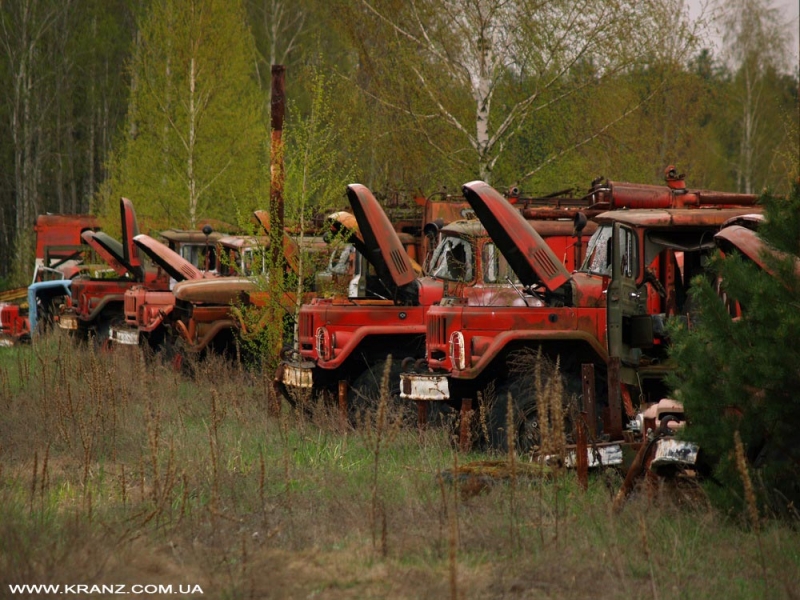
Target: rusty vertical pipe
[277, 174]
[422, 414]
[582, 453]
[343, 401]
[589, 397]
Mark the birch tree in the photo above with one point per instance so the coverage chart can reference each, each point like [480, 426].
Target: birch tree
[195, 143]
[483, 68]
[756, 44]
[23, 30]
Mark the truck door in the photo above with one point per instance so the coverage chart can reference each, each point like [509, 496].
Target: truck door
[629, 325]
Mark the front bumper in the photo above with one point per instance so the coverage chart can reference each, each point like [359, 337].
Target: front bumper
[672, 452]
[68, 322]
[424, 386]
[298, 375]
[128, 336]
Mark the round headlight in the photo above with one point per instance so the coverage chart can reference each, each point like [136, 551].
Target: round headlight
[323, 343]
[457, 351]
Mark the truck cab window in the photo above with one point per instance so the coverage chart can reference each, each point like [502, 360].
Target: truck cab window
[598, 253]
[453, 260]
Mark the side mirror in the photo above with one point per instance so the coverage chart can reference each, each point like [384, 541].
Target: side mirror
[579, 222]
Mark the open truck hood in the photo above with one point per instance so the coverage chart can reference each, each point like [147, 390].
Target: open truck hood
[524, 249]
[218, 290]
[109, 249]
[382, 245]
[747, 242]
[173, 263]
[123, 256]
[130, 229]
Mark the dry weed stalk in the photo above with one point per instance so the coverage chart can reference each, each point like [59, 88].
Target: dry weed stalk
[45, 477]
[747, 482]
[453, 537]
[33, 480]
[262, 479]
[377, 438]
[483, 410]
[153, 429]
[184, 496]
[511, 443]
[647, 555]
[123, 488]
[752, 505]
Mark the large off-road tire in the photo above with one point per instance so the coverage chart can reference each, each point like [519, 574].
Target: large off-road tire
[364, 394]
[526, 426]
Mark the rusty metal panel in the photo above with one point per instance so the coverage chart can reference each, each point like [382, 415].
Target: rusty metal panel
[220, 290]
[524, 249]
[109, 249]
[384, 248]
[130, 229]
[173, 263]
[748, 243]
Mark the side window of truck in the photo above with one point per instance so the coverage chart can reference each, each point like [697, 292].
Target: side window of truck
[629, 266]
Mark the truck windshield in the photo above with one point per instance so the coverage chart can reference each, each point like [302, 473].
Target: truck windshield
[453, 260]
[598, 256]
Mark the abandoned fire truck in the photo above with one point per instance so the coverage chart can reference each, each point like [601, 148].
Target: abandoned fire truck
[60, 256]
[97, 302]
[344, 343]
[603, 323]
[201, 309]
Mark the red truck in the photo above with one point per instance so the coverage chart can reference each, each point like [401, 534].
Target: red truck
[604, 321]
[199, 311]
[344, 343]
[60, 256]
[97, 302]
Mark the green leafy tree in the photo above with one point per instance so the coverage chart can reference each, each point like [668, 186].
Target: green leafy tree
[195, 141]
[470, 74]
[743, 375]
[316, 175]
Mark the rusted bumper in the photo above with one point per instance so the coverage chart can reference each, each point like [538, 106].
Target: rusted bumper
[606, 454]
[297, 375]
[424, 386]
[124, 334]
[68, 321]
[672, 452]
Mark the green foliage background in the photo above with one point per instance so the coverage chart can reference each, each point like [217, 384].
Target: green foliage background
[743, 375]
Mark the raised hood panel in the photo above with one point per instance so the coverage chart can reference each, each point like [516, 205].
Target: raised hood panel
[130, 229]
[344, 223]
[173, 263]
[383, 247]
[524, 249]
[291, 250]
[109, 249]
[219, 290]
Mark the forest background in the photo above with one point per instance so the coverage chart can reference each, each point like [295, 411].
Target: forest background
[167, 102]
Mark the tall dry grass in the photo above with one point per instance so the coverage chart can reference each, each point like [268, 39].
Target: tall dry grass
[116, 469]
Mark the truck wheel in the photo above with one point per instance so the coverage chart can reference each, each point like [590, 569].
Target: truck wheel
[365, 394]
[526, 425]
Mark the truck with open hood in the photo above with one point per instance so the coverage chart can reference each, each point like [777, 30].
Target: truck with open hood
[346, 342]
[602, 323]
[97, 302]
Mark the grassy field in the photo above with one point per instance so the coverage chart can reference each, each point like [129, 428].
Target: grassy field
[118, 471]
